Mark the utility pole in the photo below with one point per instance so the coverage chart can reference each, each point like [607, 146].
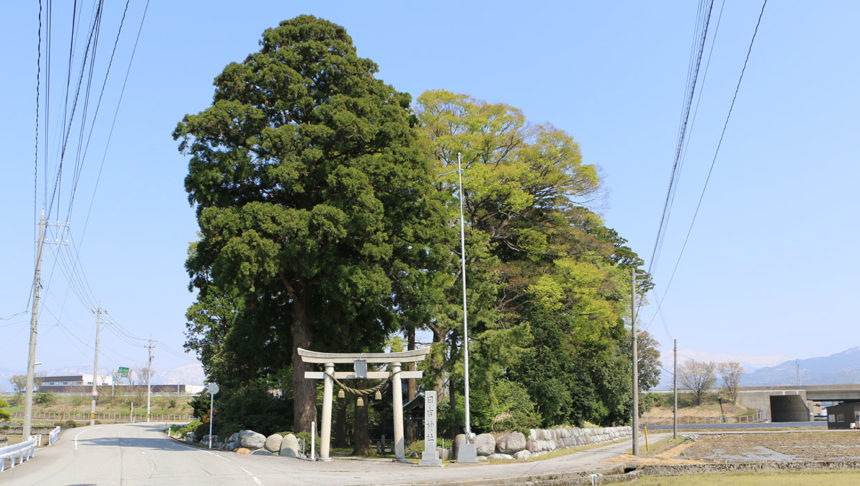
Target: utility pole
[149, 381]
[635, 363]
[34, 323]
[675, 391]
[96, 368]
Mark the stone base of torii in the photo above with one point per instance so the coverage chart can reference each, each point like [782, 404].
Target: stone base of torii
[360, 361]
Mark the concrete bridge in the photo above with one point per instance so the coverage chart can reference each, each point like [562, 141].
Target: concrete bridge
[794, 403]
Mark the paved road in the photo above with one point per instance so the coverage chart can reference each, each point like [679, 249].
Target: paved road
[140, 454]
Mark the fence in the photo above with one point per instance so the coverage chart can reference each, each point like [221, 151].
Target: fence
[22, 452]
[756, 418]
[106, 417]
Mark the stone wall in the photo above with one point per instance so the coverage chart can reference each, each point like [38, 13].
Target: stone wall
[546, 440]
[516, 445]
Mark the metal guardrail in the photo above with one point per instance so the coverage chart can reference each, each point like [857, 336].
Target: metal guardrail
[53, 436]
[22, 452]
[107, 417]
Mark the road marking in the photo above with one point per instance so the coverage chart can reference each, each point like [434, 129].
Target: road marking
[255, 478]
[76, 438]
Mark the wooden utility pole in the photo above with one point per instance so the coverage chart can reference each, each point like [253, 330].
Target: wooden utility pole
[635, 363]
[675, 391]
[34, 323]
[95, 391]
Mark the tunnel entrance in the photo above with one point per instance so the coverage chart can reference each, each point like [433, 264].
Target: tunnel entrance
[788, 408]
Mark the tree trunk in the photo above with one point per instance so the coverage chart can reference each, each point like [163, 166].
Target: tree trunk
[411, 387]
[361, 437]
[304, 402]
[340, 426]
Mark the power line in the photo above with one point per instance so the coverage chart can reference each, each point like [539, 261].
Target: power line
[693, 75]
[714, 160]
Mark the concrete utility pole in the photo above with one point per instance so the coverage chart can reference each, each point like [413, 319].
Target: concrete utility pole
[635, 363]
[149, 380]
[34, 323]
[675, 391]
[96, 368]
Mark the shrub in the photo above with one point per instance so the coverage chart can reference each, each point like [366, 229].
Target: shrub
[44, 398]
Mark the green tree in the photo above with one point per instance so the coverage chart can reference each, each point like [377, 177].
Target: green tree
[4, 414]
[548, 282]
[19, 383]
[312, 198]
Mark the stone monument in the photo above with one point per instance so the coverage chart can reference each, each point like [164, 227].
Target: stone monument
[430, 456]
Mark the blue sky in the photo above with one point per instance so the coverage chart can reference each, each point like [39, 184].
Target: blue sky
[767, 274]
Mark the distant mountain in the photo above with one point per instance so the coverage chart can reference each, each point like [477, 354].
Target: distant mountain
[837, 369]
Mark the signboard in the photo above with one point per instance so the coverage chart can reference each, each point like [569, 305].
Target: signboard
[122, 372]
[430, 456]
[213, 388]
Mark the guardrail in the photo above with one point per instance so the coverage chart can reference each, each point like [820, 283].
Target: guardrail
[758, 417]
[53, 435]
[22, 452]
[106, 417]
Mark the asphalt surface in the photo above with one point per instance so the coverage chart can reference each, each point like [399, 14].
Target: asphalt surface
[140, 454]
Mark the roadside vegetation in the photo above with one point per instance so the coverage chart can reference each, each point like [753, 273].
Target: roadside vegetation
[834, 478]
[49, 403]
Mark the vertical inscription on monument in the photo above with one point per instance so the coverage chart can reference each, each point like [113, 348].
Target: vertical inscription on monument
[430, 456]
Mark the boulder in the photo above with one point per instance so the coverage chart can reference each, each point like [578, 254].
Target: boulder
[524, 454]
[485, 444]
[190, 437]
[459, 439]
[242, 450]
[234, 437]
[251, 440]
[206, 438]
[273, 443]
[289, 446]
[499, 457]
[444, 453]
[262, 452]
[511, 443]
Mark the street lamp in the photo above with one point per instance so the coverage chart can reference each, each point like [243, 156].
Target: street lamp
[467, 451]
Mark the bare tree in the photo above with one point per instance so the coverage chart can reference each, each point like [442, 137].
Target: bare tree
[19, 383]
[730, 374]
[698, 377]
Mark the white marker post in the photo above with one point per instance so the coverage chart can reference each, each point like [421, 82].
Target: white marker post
[213, 389]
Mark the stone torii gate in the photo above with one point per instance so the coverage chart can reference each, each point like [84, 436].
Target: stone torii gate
[360, 361]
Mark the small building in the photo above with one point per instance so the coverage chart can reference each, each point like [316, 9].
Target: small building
[843, 416]
[81, 379]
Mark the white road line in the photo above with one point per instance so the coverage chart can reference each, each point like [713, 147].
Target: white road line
[76, 438]
[255, 478]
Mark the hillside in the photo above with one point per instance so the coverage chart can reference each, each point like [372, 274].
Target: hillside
[840, 368]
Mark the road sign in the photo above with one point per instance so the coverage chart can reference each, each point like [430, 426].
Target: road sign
[95, 393]
[123, 372]
[213, 388]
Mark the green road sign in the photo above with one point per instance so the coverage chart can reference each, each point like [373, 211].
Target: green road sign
[123, 372]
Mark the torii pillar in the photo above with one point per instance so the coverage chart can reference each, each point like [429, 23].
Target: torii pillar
[395, 373]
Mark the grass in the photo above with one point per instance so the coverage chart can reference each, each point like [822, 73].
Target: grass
[118, 404]
[830, 478]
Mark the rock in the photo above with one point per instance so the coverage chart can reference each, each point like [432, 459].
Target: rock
[190, 437]
[511, 443]
[289, 446]
[242, 450]
[459, 439]
[206, 439]
[273, 443]
[524, 454]
[500, 457]
[234, 437]
[251, 440]
[414, 455]
[262, 452]
[482, 459]
[444, 454]
[485, 444]
[532, 446]
[230, 446]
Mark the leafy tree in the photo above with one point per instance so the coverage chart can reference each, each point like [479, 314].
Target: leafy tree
[648, 353]
[698, 377]
[730, 375]
[4, 414]
[312, 198]
[547, 280]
